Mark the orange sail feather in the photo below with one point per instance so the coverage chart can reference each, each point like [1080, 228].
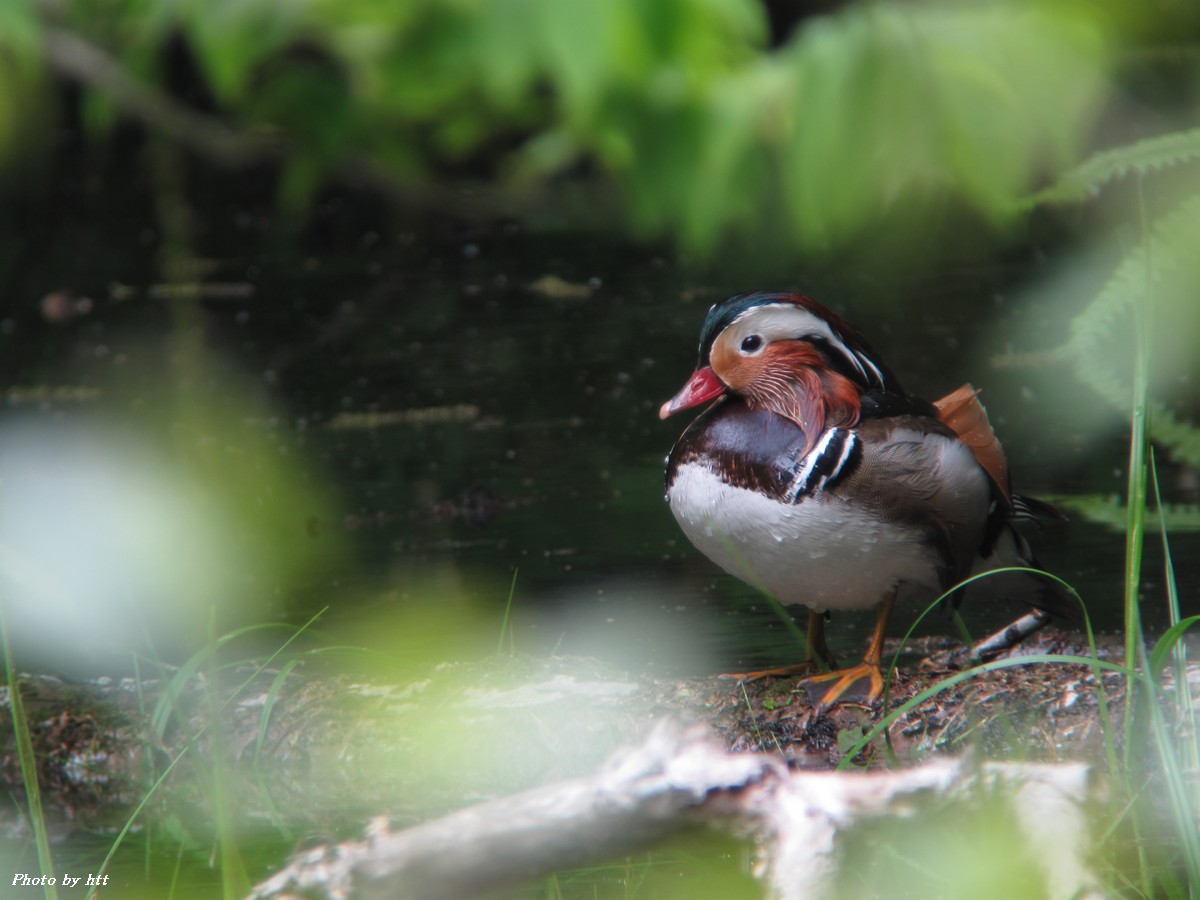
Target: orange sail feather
[962, 412]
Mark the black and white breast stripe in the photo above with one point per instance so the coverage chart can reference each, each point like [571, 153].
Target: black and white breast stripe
[836, 454]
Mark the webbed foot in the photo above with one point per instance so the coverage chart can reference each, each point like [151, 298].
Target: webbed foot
[857, 684]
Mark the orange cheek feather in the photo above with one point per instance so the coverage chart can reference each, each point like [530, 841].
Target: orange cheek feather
[842, 403]
[733, 369]
[828, 397]
[793, 380]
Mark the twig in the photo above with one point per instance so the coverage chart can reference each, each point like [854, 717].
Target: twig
[76, 59]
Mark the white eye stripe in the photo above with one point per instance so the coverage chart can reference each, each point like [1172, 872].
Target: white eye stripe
[786, 321]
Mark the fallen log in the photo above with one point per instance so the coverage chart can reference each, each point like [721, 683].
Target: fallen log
[679, 777]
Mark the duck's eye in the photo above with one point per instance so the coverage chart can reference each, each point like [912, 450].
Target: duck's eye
[752, 343]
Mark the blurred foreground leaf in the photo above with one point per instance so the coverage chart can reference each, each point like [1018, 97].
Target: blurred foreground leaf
[120, 537]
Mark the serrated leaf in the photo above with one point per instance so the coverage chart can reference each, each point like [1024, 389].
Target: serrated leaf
[1143, 157]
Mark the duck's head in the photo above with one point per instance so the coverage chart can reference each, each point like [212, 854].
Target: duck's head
[785, 353]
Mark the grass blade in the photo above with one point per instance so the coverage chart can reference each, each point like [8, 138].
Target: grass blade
[504, 626]
[29, 774]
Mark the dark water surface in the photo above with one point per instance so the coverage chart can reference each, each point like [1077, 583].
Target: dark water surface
[487, 402]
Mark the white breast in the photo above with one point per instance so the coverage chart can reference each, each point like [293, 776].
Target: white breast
[822, 552]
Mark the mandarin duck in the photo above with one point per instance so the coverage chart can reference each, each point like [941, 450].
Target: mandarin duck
[815, 476]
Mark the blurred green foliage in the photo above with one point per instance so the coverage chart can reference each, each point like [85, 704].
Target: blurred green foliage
[703, 128]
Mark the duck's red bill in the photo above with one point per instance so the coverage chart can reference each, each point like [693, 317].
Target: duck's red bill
[700, 388]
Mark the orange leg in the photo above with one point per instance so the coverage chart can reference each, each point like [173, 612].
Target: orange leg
[857, 683]
[819, 657]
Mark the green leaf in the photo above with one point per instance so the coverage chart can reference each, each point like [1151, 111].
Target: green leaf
[20, 28]
[507, 55]
[896, 102]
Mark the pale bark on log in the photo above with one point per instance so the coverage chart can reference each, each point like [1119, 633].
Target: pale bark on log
[677, 778]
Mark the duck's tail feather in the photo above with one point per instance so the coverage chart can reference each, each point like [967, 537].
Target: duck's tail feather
[1031, 509]
[1038, 590]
